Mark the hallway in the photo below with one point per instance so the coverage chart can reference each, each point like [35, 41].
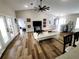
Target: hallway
[22, 48]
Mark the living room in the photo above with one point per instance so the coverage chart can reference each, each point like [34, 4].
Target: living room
[39, 29]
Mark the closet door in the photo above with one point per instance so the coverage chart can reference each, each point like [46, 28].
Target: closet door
[3, 30]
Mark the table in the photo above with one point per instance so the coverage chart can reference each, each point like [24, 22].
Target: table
[45, 35]
[74, 53]
[62, 34]
[61, 37]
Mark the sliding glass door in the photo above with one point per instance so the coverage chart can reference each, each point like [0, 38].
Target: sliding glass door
[2, 43]
[3, 30]
[0, 48]
[8, 30]
[10, 26]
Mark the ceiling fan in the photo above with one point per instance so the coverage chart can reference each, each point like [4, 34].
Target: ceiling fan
[42, 7]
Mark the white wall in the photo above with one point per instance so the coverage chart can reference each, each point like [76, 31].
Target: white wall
[6, 10]
[35, 16]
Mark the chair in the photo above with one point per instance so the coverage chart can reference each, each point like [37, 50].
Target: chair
[76, 35]
[67, 40]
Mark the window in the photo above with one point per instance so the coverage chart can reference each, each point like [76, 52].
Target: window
[54, 23]
[77, 24]
[62, 21]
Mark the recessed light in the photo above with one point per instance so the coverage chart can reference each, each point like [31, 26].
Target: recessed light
[26, 6]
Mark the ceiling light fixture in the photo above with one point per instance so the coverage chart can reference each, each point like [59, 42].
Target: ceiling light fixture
[42, 7]
[26, 6]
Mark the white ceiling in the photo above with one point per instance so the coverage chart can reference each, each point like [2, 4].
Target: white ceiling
[56, 6]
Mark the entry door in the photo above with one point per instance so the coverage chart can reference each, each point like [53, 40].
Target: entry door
[3, 30]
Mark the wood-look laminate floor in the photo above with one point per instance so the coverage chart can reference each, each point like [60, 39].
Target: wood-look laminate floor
[20, 49]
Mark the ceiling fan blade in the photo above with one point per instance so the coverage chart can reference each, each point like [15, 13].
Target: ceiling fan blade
[40, 0]
[44, 6]
[36, 8]
[39, 6]
[48, 8]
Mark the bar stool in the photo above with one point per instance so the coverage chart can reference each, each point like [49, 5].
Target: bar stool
[67, 40]
[76, 35]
